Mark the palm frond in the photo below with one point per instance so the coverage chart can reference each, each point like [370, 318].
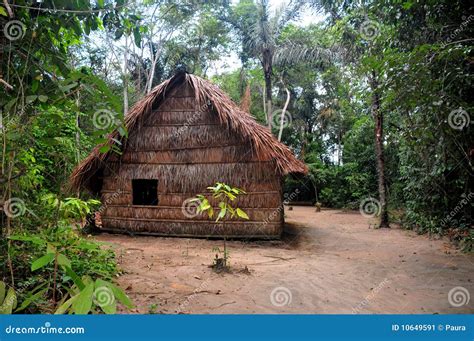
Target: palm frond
[292, 53]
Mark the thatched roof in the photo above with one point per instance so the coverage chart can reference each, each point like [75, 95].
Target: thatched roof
[264, 144]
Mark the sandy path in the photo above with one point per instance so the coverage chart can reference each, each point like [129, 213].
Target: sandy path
[328, 262]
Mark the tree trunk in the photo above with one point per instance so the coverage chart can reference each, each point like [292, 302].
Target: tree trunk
[125, 78]
[378, 119]
[246, 100]
[268, 95]
[151, 76]
[267, 72]
[78, 133]
[282, 118]
[303, 143]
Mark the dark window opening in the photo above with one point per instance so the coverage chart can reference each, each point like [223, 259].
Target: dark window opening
[145, 192]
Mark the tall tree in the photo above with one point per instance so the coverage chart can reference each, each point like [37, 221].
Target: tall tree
[378, 116]
[262, 38]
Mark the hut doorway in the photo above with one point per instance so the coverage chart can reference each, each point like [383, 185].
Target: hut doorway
[145, 192]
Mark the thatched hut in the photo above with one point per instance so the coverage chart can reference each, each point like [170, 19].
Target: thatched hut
[185, 135]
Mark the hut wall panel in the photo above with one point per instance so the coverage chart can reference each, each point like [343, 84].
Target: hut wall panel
[110, 198]
[197, 187]
[251, 200]
[176, 213]
[116, 184]
[251, 171]
[182, 145]
[183, 91]
[196, 228]
[159, 117]
[179, 103]
[252, 177]
[185, 136]
[215, 154]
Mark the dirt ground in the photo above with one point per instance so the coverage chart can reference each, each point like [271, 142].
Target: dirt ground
[328, 262]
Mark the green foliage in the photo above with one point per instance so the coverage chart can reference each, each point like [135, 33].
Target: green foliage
[88, 296]
[50, 262]
[423, 78]
[58, 79]
[63, 257]
[8, 300]
[69, 210]
[225, 194]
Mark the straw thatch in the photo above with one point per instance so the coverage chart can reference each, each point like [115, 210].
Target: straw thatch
[188, 134]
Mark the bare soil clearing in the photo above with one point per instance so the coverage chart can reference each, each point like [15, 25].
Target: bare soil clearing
[327, 262]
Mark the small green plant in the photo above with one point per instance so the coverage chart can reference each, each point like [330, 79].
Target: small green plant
[152, 308]
[224, 195]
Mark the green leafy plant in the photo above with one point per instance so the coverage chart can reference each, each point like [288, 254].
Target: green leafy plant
[70, 209]
[8, 299]
[69, 291]
[224, 195]
[152, 308]
[89, 296]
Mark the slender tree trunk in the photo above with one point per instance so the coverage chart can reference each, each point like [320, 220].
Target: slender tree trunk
[125, 78]
[378, 119]
[8, 227]
[78, 134]
[9, 9]
[303, 143]
[267, 72]
[152, 69]
[246, 100]
[339, 147]
[268, 96]
[288, 96]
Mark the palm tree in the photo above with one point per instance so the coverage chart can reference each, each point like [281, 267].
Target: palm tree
[260, 31]
[263, 41]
